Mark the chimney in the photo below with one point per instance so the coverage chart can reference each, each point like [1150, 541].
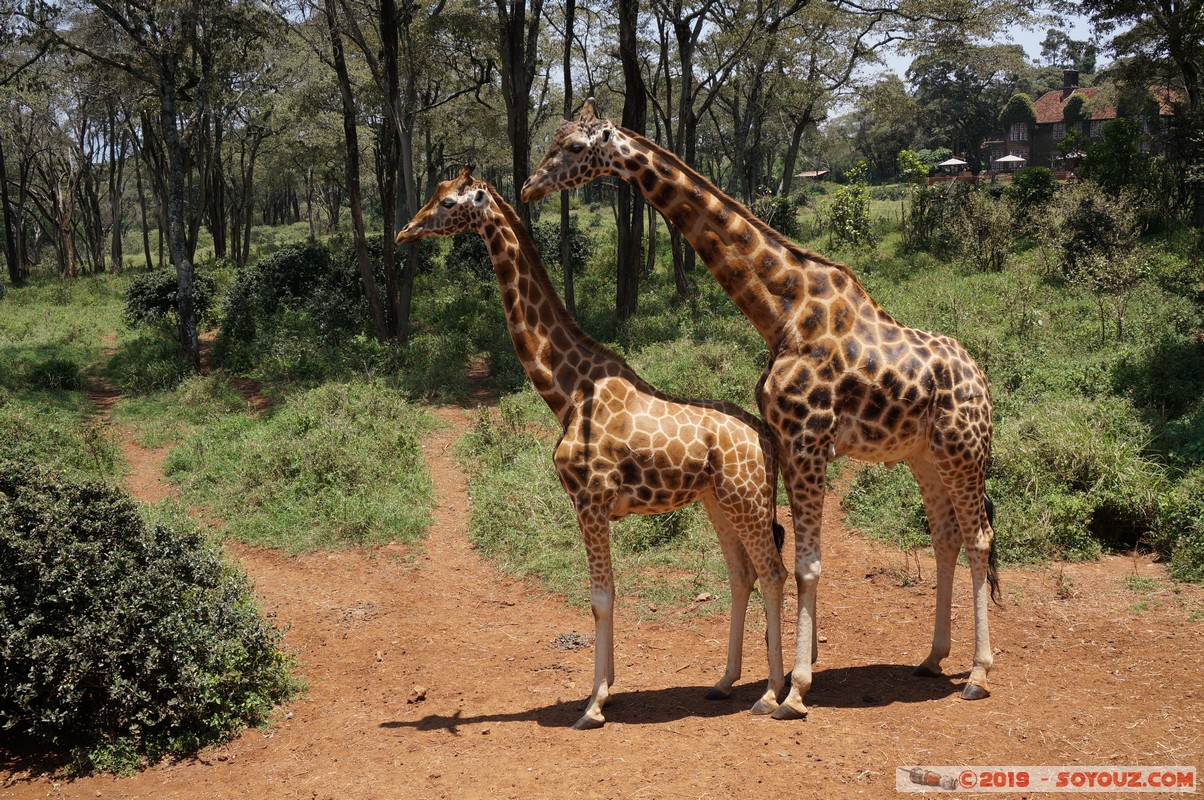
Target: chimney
[1070, 82]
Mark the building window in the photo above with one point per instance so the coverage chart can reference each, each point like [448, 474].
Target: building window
[1018, 132]
[1097, 128]
[1059, 131]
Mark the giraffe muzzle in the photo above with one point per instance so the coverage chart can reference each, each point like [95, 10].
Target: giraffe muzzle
[410, 233]
[531, 190]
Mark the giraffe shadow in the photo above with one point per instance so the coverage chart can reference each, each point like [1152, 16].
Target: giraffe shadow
[864, 686]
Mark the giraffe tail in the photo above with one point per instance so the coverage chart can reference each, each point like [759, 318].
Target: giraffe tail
[993, 555]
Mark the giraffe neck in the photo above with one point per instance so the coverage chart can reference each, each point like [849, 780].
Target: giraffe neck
[556, 354]
[768, 277]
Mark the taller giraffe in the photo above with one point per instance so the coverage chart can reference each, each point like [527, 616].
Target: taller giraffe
[843, 378]
[627, 448]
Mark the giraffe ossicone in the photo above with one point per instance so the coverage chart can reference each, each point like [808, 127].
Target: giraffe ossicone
[843, 379]
[627, 448]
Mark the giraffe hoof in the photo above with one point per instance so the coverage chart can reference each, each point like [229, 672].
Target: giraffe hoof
[975, 692]
[764, 708]
[588, 723]
[789, 712]
[924, 671]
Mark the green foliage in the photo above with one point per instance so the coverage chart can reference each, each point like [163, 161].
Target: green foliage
[547, 240]
[468, 259]
[153, 298]
[983, 231]
[1117, 161]
[779, 213]
[913, 168]
[123, 641]
[1181, 527]
[1077, 473]
[337, 465]
[930, 217]
[1032, 188]
[849, 213]
[145, 363]
[1018, 109]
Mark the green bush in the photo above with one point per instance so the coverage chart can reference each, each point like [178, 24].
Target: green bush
[469, 260]
[1032, 188]
[122, 642]
[153, 298]
[848, 215]
[983, 232]
[779, 213]
[547, 240]
[1181, 527]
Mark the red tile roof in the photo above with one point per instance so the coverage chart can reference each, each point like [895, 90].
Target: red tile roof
[1051, 106]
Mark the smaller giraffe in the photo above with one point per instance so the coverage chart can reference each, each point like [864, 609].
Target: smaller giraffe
[626, 447]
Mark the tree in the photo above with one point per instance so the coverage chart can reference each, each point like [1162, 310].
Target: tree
[518, 37]
[960, 91]
[1163, 40]
[181, 53]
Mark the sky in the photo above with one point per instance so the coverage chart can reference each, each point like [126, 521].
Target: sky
[1075, 26]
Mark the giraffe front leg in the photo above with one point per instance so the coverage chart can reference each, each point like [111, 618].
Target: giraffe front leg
[977, 687]
[946, 542]
[595, 532]
[807, 500]
[772, 580]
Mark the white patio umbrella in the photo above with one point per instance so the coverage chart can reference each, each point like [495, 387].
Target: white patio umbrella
[952, 162]
[1010, 160]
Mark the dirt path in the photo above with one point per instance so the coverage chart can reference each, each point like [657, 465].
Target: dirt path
[432, 676]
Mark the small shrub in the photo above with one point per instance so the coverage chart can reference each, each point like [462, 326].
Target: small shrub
[779, 213]
[469, 260]
[1181, 527]
[123, 641]
[849, 214]
[983, 232]
[153, 298]
[1032, 188]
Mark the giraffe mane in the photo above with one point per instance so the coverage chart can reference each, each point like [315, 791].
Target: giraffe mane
[540, 273]
[740, 210]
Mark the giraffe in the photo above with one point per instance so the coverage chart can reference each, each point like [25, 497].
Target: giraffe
[627, 448]
[843, 378]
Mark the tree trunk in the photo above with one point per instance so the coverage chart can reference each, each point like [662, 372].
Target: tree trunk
[117, 155]
[630, 202]
[390, 153]
[518, 38]
[10, 240]
[146, 248]
[177, 215]
[566, 250]
[350, 134]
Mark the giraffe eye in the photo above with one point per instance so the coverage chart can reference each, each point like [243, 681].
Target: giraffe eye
[576, 147]
[448, 203]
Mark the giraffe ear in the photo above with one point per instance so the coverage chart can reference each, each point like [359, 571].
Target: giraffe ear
[479, 198]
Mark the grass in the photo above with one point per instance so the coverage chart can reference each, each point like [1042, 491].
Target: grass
[335, 466]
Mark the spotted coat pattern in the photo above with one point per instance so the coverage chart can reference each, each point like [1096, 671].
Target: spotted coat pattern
[843, 378]
[626, 447]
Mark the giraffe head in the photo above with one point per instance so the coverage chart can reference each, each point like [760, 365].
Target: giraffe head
[457, 205]
[580, 151]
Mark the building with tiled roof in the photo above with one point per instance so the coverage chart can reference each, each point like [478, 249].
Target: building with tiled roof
[1058, 113]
